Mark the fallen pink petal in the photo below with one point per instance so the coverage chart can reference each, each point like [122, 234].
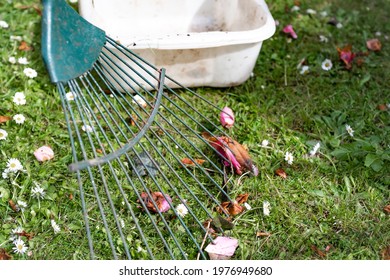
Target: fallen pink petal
[222, 248]
[290, 31]
[44, 153]
[227, 117]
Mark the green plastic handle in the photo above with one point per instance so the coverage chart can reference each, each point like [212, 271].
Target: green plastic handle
[70, 44]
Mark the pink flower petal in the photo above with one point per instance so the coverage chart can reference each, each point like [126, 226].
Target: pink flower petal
[290, 30]
[44, 153]
[222, 248]
[227, 117]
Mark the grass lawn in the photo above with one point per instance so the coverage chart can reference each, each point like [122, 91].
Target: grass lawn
[332, 205]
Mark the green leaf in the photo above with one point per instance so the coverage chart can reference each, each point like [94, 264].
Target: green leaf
[373, 161]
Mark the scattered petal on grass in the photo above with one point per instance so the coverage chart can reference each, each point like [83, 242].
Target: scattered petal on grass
[318, 251]
[222, 248]
[262, 234]
[290, 31]
[181, 210]
[266, 208]
[374, 45]
[382, 107]
[24, 46]
[19, 118]
[264, 143]
[232, 153]
[159, 199]
[385, 253]
[226, 117]
[19, 98]
[44, 153]
[20, 247]
[327, 65]
[346, 55]
[315, 149]
[13, 205]
[31, 73]
[387, 209]
[3, 24]
[349, 130]
[139, 100]
[3, 134]
[289, 157]
[304, 70]
[281, 173]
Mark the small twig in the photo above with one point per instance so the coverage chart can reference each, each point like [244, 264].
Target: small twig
[204, 239]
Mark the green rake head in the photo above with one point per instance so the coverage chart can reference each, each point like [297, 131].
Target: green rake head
[132, 137]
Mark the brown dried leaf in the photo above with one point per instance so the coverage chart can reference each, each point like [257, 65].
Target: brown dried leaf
[233, 208]
[189, 162]
[382, 107]
[318, 251]
[29, 236]
[13, 205]
[386, 253]
[4, 255]
[281, 173]
[26, 7]
[159, 199]
[242, 198]
[374, 45]
[263, 234]
[24, 46]
[387, 209]
[4, 119]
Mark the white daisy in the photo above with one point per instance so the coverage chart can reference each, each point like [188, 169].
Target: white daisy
[3, 134]
[304, 69]
[14, 165]
[324, 13]
[5, 173]
[20, 247]
[311, 11]
[266, 208]
[19, 118]
[70, 96]
[3, 24]
[38, 191]
[19, 98]
[14, 233]
[181, 210]
[289, 157]
[12, 59]
[22, 60]
[55, 227]
[327, 65]
[139, 100]
[349, 130]
[31, 73]
[264, 143]
[87, 128]
[323, 39]
[22, 205]
[339, 25]
[295, 8]
[315, 149]
[15, 38]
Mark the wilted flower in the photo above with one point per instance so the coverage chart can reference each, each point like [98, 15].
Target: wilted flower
[38, 191]
[55, 227]
[311, 11]
[19, 98]
[315, 149]
[374, 45]
[70, 96]
[346, 55]
[20, 247]
[22, 205]
[158, 199]
[327, 64]
[289, 157]
[227, 117]
[44, 153]
[264, 143]
[295, 8]
[266, 208]
[349, 130]
[3, 134]
[31, 73]
[290, 31]
[323, 39]
[87, 128]
[181, 210]
[19, 118]
[304, 69]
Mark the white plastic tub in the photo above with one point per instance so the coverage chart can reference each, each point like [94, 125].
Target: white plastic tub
[199, 42]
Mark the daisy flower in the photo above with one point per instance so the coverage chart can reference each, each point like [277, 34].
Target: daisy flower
[327, 64]
[14, 165]
[304, 69]
[324, 13]
[315, 149]
[15, 38]
[31, 73]
[22, 205]
[19, 118]
[55, 227]
[22, 60]
[20, 247]
[311, 11]
[3, 24]
[289, 157]
[323, 39]
[70, 96]
[38, 191]
[87, 128]
[12, 59]
[14, 233]
[339, 25]
[295, 8]
[19, 98]
[349, 130]
[181, 210]
[264, 143]
[3, 134]
[5, 173]
[266, 208]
